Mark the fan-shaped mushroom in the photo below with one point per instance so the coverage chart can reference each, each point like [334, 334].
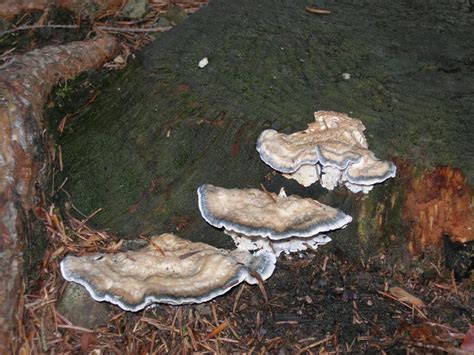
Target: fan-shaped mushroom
[288, 222]
[169, 270]
[332, 149]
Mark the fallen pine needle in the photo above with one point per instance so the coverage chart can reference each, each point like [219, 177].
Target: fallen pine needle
[35, 27]
[268, 193]
[155, 245]
[227, 340]
[159, 325]
[325, 340]
[237, 298]
[325, 263]
[133, 30]
[217, 330]
[237, 336]
[257, 276]
[442, 286]
[191, 336]
[75, 327]
[83, 222]
[453, 282]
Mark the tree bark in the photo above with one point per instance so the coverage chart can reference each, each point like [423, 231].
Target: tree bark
[25, 83]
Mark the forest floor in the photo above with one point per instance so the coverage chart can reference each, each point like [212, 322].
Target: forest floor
[318, 302]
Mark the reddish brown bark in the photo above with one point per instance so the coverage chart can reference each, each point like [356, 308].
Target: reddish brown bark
[87, 8]
[438, 203]
[25, 83]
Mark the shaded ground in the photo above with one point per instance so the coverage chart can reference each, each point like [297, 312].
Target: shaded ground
[317, 303]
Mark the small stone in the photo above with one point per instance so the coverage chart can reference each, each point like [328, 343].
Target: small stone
[204, 309]
[176, 15]
[135, 9]
[78, 307]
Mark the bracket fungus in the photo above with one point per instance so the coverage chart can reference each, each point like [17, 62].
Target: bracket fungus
[333, 150]
[277, 247]
[258, 219]
[169, 270]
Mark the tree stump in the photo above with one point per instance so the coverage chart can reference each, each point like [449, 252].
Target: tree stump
[164, 126]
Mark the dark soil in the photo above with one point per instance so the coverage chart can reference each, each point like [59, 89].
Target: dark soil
[318, 303]
[345, 301]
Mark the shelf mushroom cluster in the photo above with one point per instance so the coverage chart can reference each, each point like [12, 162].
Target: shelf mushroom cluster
[333, 150]
[262, 224]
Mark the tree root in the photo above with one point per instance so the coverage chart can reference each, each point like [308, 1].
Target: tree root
[25, 83]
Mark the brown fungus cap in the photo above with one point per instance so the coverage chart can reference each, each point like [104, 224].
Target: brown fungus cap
[169, 270]
[253, 212]
[336, 143]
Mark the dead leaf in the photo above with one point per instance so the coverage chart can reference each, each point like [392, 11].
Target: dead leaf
[468, 342]
[404, 296]
[87, 340]
[422, 333]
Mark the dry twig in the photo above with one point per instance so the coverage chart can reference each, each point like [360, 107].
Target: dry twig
[35, 27]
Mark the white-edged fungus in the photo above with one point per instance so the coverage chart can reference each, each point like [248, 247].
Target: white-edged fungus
[262, 220]
[335, 145]
[169, 270]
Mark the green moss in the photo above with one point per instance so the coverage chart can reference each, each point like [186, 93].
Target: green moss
[164, 126]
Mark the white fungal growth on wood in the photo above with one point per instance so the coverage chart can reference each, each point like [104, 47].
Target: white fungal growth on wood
[262, 220]
[169, 270]
[335, 145]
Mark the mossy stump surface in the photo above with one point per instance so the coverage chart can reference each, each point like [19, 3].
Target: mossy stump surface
[164, 126]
